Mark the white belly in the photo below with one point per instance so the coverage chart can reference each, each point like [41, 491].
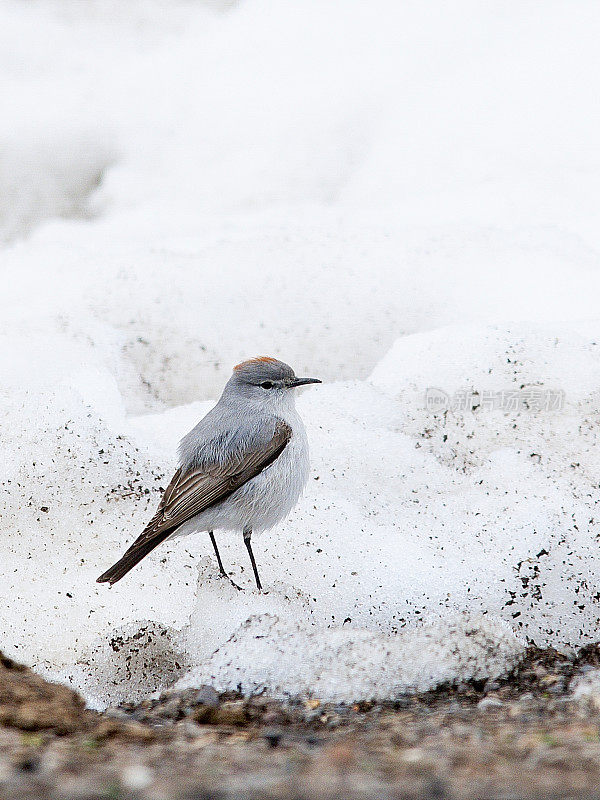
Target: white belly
[266, 499]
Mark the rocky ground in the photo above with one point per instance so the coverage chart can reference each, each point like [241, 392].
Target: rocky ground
[523, 737]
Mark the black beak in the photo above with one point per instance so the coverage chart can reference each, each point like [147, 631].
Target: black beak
[302, 381]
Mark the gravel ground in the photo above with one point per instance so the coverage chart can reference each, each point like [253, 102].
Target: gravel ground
[523, 737]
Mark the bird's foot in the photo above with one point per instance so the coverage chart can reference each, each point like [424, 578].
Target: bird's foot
[232, 582]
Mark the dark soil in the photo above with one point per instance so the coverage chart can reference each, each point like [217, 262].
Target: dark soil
[521, 737]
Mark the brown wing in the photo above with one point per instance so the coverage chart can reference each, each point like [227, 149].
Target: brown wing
[194, 491]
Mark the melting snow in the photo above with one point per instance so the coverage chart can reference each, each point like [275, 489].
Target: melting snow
[216, 181]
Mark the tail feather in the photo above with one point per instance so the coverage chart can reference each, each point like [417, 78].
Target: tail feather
[133, 556]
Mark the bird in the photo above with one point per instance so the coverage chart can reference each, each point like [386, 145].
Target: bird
[242, 468]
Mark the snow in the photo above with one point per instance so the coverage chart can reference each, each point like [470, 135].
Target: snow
[392, 197]
[341, 665]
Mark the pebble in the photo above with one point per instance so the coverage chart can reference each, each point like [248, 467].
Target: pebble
[230, 713]
[489, 703]
[136, 777]
[413, 755]
[272, 736]
[205, 695]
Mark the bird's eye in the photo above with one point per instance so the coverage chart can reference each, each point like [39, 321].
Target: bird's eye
[267, 385]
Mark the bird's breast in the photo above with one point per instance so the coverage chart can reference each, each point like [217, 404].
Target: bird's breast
[271, 495]
[267, 498]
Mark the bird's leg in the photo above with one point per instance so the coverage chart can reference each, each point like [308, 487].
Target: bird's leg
[247, 535]
[221, 567]
[220, 563]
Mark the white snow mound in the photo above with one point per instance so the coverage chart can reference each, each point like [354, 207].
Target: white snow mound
[341, 664]
[398, 198]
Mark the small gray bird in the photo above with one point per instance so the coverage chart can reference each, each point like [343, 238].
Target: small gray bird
[243, 467]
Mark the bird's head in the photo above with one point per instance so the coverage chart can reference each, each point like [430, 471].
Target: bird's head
[266, 381]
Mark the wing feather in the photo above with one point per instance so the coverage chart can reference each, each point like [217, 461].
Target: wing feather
[193, 491]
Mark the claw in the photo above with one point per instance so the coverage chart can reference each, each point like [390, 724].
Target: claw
[232, 582]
